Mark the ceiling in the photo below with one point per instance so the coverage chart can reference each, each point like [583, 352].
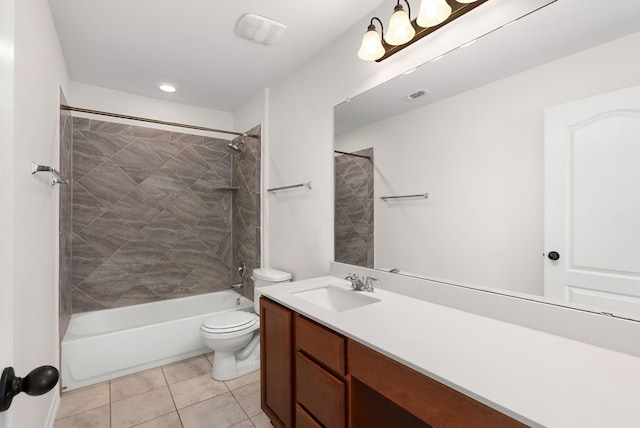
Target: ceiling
[131, 46]
[562, 28]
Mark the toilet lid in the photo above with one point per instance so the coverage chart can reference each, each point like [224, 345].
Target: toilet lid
[226, 322]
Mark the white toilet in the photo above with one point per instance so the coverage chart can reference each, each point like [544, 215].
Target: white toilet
[235, 336]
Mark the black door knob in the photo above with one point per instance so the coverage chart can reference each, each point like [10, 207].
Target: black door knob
[39, 381]
[554, 255]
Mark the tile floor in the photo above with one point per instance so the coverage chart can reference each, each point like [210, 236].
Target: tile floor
[180, 394]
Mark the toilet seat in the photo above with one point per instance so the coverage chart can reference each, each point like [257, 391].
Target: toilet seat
[229, 322]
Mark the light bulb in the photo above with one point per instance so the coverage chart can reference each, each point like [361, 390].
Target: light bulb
[433, 12]
[400, 30]
[371, 48]
[466, 1]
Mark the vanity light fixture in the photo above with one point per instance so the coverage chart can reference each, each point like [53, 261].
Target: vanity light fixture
[167, 87]
[433, 12]
[371, 48]
[402, 31]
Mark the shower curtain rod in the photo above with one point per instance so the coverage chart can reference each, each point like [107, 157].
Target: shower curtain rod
[159, 122]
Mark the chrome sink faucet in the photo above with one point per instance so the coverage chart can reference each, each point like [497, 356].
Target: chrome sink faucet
[359, 285]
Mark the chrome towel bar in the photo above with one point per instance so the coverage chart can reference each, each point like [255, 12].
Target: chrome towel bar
[56, 179]
[420, 195]
[293, 186]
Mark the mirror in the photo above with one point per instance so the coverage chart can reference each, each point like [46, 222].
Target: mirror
[468, 129]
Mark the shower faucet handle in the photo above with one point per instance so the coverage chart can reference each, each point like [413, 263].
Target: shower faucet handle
[242, 270]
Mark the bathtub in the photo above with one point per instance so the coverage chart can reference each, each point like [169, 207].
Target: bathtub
[109, 343]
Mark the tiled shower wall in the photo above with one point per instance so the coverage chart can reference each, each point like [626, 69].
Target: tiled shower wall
[152, 214]
[64, 227]
[246, 208]
[354, 209]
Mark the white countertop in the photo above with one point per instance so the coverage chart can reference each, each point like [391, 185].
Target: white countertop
[535, 377]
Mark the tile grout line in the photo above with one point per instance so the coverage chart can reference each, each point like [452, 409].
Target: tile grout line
[171, 394]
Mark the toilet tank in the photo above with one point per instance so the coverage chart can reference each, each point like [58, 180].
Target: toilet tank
[263, 277]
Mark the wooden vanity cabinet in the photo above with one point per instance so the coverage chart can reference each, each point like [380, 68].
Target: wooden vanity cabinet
[320, 370]
[313, 377]
[276, 362]
[386, 387]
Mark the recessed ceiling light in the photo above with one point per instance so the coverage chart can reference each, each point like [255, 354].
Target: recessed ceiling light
[167, 87]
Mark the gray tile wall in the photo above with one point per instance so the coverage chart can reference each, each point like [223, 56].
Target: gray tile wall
[149, 219]
[246, 208]
[64, 227]
[353, 243]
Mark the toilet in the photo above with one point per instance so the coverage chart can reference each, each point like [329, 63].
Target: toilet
[234, 336]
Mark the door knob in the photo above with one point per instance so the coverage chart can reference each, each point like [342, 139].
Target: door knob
[553, 255]
[39, 381]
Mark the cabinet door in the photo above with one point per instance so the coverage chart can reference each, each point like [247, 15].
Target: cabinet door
[276, 359]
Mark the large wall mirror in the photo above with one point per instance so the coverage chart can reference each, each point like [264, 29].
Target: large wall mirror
[464, 136]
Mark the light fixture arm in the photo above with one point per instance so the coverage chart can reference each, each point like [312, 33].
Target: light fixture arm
[373, 27]
[408, 8]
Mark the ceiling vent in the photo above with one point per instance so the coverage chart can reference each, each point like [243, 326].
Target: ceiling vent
[415, 95]
[260, 29]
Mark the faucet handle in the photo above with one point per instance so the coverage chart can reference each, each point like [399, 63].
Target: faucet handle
[368, 283]
[356, 282]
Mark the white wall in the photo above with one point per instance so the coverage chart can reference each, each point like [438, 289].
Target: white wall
[39, 73]
[256, 111]
[301, 134]
[483, 223]
[112, 101]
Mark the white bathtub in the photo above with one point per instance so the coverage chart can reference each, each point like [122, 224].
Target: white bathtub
[109, 343]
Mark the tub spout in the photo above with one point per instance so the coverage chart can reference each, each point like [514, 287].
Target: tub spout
[236, 286]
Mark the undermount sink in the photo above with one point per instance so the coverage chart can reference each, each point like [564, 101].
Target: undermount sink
[336, 299]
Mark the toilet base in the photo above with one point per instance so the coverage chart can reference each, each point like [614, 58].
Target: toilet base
[227, 366]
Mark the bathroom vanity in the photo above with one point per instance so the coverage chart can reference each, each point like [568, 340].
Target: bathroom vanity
[315, 377]
[335, 357]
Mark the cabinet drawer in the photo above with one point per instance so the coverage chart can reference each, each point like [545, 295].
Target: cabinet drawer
[320, 393]
[320, 344]
[303, 420]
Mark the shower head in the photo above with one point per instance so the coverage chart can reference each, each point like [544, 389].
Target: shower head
[236, 147]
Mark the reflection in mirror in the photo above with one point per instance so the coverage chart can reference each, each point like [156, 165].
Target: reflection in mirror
[476, 144]
[353, 208]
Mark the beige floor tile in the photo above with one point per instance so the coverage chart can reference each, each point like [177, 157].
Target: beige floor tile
[95, 418]
[196, 389]
[209, 357]
[249, 398]
[141, 408]
[83, 399]
[244, 424]
[261, 420]
[167, 421]
[222, 411]
[186, 369]
[137, 383]
[241, 381]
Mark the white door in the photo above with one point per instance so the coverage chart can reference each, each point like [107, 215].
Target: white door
[592, 201]
[6, 191]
